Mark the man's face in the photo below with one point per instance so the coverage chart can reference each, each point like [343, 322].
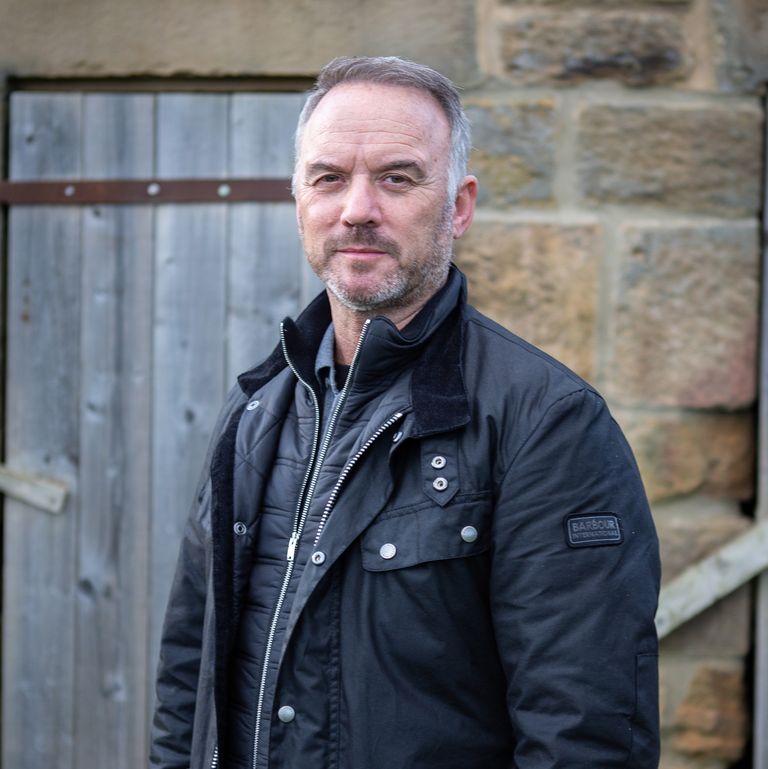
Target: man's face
[371, 196]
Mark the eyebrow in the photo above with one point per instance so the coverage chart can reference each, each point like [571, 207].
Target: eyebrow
[318, 168]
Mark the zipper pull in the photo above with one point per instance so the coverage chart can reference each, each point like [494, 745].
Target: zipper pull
[292, 543]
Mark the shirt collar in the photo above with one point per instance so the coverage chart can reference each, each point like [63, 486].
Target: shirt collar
[324, 363]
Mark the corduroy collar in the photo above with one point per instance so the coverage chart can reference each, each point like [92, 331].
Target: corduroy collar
[438, 393]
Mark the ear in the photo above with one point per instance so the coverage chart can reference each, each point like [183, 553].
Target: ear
[464, 206]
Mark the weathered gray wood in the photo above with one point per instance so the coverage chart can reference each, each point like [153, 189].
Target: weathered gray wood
[712, 578]
[190, 287]
[268, 275]
[119, 138]
[44, 135]
[42, 437]
[33, 490]
[113, 527]
[126, 325]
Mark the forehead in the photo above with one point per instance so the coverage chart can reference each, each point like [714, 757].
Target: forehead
[379, 116]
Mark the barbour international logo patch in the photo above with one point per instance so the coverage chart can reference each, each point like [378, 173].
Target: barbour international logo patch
[593, 529]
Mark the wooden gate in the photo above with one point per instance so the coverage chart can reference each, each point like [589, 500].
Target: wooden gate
[125, 326]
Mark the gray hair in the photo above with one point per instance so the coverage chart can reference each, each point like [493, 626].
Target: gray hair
[392, 70]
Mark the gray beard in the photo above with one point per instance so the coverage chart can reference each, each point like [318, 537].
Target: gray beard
[407, 286]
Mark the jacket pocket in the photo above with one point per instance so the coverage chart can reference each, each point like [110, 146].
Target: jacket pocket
[428, 534]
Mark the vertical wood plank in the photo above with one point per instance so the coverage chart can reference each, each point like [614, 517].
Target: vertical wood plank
[45, 136]
[42, 436]
[112, 669]
[268, 275]
[190, 283]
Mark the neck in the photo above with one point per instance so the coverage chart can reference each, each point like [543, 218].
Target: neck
[348, 324]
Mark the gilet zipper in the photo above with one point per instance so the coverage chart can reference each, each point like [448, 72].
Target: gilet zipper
[302, 511]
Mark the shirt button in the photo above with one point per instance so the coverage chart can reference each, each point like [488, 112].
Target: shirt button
[469, 533]
[286, 714]
[318, 558]
[440, 483]
[252, 405]
[438, 463]
[387, 551]
[240, 528]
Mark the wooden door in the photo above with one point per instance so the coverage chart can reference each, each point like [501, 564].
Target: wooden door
[126, 325]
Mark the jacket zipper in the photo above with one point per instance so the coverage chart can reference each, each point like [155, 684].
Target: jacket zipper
[215, 759]
[347, 469]
[302, 511]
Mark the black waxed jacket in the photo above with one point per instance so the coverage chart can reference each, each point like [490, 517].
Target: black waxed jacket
[487, 583]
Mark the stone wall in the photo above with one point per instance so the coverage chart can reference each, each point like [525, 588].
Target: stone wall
[620, 152]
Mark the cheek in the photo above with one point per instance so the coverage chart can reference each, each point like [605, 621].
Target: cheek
[317, 215]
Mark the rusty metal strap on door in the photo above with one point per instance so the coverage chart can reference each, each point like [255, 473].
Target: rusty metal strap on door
[144, 191]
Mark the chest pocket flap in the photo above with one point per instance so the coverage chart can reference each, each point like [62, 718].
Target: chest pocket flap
[428, 534]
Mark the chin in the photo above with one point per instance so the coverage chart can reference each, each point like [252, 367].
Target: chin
[368, 298]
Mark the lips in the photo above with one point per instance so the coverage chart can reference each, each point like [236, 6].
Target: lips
[361, 251]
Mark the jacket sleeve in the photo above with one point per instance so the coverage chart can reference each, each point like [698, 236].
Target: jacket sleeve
[180, 651]
[181, 643]
[574, 610]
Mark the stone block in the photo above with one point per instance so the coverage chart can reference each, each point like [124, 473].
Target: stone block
[240, 37]
[514, 150]
[686, 315]
[540, 280]
[543, 45]
[690, 688]
[595, 3]
[700, 159]
[712, 720]
[741, 44]
[709, 453]
[686, 538]
[722, 630]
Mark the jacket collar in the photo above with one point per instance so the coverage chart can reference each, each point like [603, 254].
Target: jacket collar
[438, 394]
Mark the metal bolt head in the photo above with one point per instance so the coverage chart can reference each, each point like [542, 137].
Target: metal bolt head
[224, 190]
[153, 189]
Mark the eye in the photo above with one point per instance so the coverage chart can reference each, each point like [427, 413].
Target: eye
[396, 180]
[328, 179]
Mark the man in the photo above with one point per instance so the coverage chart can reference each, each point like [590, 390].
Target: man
[419, 541]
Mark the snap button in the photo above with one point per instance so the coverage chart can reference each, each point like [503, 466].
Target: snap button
[388, 551]
[240, 528]
[469, 533]
[318, 558]
[438, 463]
[397, 436]
[286, 714]
[252, 405]
[440, 483]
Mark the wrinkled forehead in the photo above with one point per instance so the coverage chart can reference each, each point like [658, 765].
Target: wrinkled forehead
[379, 113]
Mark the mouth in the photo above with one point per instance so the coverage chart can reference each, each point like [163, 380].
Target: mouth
[361, 251]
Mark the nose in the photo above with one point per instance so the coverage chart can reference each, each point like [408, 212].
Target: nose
[361, 205]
